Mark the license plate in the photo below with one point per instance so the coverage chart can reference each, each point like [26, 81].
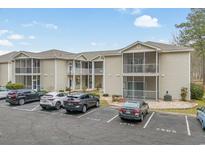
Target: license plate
[128, 112]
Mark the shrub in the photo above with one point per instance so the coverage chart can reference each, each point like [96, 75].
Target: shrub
[105, 95]
[84, 89]
[117, 98]
[184, 92]
[13, 86]
[197, 91]
[61, 91]
[68, 89]
[96, 94]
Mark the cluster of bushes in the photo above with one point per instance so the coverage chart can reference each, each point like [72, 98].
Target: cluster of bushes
[13, 86]
[95, 94]
[105, 95]
[117, 98]
[197, 91]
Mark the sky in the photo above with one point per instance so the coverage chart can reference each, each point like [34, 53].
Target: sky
[77, 30]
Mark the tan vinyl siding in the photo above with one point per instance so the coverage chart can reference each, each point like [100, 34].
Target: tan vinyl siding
[174, 73]
[47, 74]
[3, 74]
[61, 74]
[113, 75]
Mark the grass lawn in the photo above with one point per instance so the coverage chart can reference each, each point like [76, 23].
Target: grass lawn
[185, 111]
[103, 103]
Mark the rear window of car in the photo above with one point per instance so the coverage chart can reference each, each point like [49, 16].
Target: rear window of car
[3, 89]
[74, 96]
[132, 104]
[48, 95]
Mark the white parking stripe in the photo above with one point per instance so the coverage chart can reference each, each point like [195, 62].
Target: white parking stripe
[149, 120]
[187, 126]
[35, 107]
[87, 113]
[112, 118]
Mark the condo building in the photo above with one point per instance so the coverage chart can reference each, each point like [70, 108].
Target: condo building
[142, 70]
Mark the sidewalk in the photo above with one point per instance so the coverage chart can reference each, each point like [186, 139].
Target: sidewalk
[160, 104]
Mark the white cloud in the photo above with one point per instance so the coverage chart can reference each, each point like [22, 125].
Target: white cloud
[24, 43]
[146, 21]
[44, 25]
[163, 41]
[93, 43]
[51, 26]
[16, 37]
[5, 43]
[3, 52]
[3, 31]
[135, 11]
[31, 37]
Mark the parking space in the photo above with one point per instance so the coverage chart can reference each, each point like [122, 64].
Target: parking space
[166, 123]
[160, 125]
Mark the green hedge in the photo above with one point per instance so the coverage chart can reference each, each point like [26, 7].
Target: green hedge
[197, 91]
[13, 86]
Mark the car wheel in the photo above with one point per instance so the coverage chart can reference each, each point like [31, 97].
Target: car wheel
[142, 117]
[43, 107]
[84, 109]
[21, 102]
[67, 111]
[58, 105]
[97, 104]
[203, 125]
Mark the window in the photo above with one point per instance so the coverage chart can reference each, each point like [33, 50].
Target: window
[61, 95]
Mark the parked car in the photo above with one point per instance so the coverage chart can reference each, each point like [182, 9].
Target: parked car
[22, 96]
[134, 110]
[53, 100]
[81, 102]
[3, 92]
[201, 116]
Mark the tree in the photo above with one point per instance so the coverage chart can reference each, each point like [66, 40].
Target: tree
[192, 33]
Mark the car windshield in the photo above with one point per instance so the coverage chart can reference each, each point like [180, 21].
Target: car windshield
[77, 96]
[132, 104]
[3, 89]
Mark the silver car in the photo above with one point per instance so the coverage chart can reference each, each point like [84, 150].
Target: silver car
[3, 92]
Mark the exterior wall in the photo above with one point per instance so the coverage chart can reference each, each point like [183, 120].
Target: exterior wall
[174, 74]
[47, 69]
[3, 74]
[113, 75]
[61, 74]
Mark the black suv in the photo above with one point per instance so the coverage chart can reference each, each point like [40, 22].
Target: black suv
[19, 97]
[81, 102]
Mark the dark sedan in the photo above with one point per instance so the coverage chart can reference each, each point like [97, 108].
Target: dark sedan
[134, 110]
[22, 96]
[81, 102]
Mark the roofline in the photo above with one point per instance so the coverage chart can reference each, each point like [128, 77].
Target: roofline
[79, 56]
[138, 42]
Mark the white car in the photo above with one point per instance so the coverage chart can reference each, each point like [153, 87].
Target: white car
[53, 100]
[3, 92]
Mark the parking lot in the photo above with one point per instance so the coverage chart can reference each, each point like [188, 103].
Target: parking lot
[29, 124]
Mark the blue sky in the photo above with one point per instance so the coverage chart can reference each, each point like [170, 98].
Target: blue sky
[78, 30]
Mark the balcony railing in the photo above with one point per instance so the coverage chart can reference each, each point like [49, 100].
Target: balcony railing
[98, 71]
[85, 71]
[139, 94]
[139, 68]
[28, 70]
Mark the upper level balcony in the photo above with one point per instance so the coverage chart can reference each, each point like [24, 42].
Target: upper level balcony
[140, 68]
[27, 70]
[27, 66]
[143, 62]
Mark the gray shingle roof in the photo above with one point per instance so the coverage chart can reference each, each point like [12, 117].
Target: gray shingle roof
[168, 47]
[54, 53]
